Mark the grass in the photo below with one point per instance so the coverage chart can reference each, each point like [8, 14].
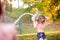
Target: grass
[32, 30]
[33, 36]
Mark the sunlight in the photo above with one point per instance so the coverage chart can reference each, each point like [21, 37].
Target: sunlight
[15, 4]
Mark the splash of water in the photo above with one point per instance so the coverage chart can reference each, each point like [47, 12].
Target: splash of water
[21, 17]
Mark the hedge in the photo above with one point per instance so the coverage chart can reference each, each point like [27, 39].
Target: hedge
[33, 36]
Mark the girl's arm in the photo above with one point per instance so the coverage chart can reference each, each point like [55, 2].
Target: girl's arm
[34, 22]
[47, 20]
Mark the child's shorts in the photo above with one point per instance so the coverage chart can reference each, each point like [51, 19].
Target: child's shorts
[41, 35]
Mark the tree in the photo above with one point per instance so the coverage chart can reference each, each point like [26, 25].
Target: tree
[46, 7]
[51, 7]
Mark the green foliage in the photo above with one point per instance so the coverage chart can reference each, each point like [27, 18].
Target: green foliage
[39, 6]
[54, 2]
[58, 14]
[49, 36]
[50, 6]
[45, 7]
[28, 9]
[22, 10]
[26, 19]
[13, 14]
[53, 36]
[25, 1]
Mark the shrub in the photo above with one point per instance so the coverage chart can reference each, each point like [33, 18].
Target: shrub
[49, 36]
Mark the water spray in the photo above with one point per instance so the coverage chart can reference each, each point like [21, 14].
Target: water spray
[33, 15]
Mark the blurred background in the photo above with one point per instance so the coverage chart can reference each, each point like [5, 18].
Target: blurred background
[15, 8]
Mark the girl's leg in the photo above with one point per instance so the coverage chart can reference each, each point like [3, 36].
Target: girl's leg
[45, 39]
[41, 39]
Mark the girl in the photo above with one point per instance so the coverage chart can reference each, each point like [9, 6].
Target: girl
[39, 25]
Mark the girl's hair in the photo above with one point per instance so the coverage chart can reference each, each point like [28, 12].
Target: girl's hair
[40, 17]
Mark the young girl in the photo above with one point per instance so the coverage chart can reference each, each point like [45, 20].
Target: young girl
[39, 25]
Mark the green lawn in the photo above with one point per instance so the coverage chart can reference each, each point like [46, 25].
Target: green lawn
[31, 30]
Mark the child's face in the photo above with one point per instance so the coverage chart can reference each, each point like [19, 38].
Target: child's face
[41, 19]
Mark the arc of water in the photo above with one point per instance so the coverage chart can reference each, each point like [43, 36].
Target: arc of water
[21, 17]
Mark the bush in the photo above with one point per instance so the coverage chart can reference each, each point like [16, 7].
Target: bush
[53, 36]
[49, 36]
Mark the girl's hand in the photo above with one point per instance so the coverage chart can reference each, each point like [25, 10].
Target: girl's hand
[47, 18]
[33, 18]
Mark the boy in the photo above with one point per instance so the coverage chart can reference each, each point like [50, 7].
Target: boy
[39, 25]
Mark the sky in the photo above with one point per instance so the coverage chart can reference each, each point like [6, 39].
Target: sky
[21, 4]
[15, 3]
